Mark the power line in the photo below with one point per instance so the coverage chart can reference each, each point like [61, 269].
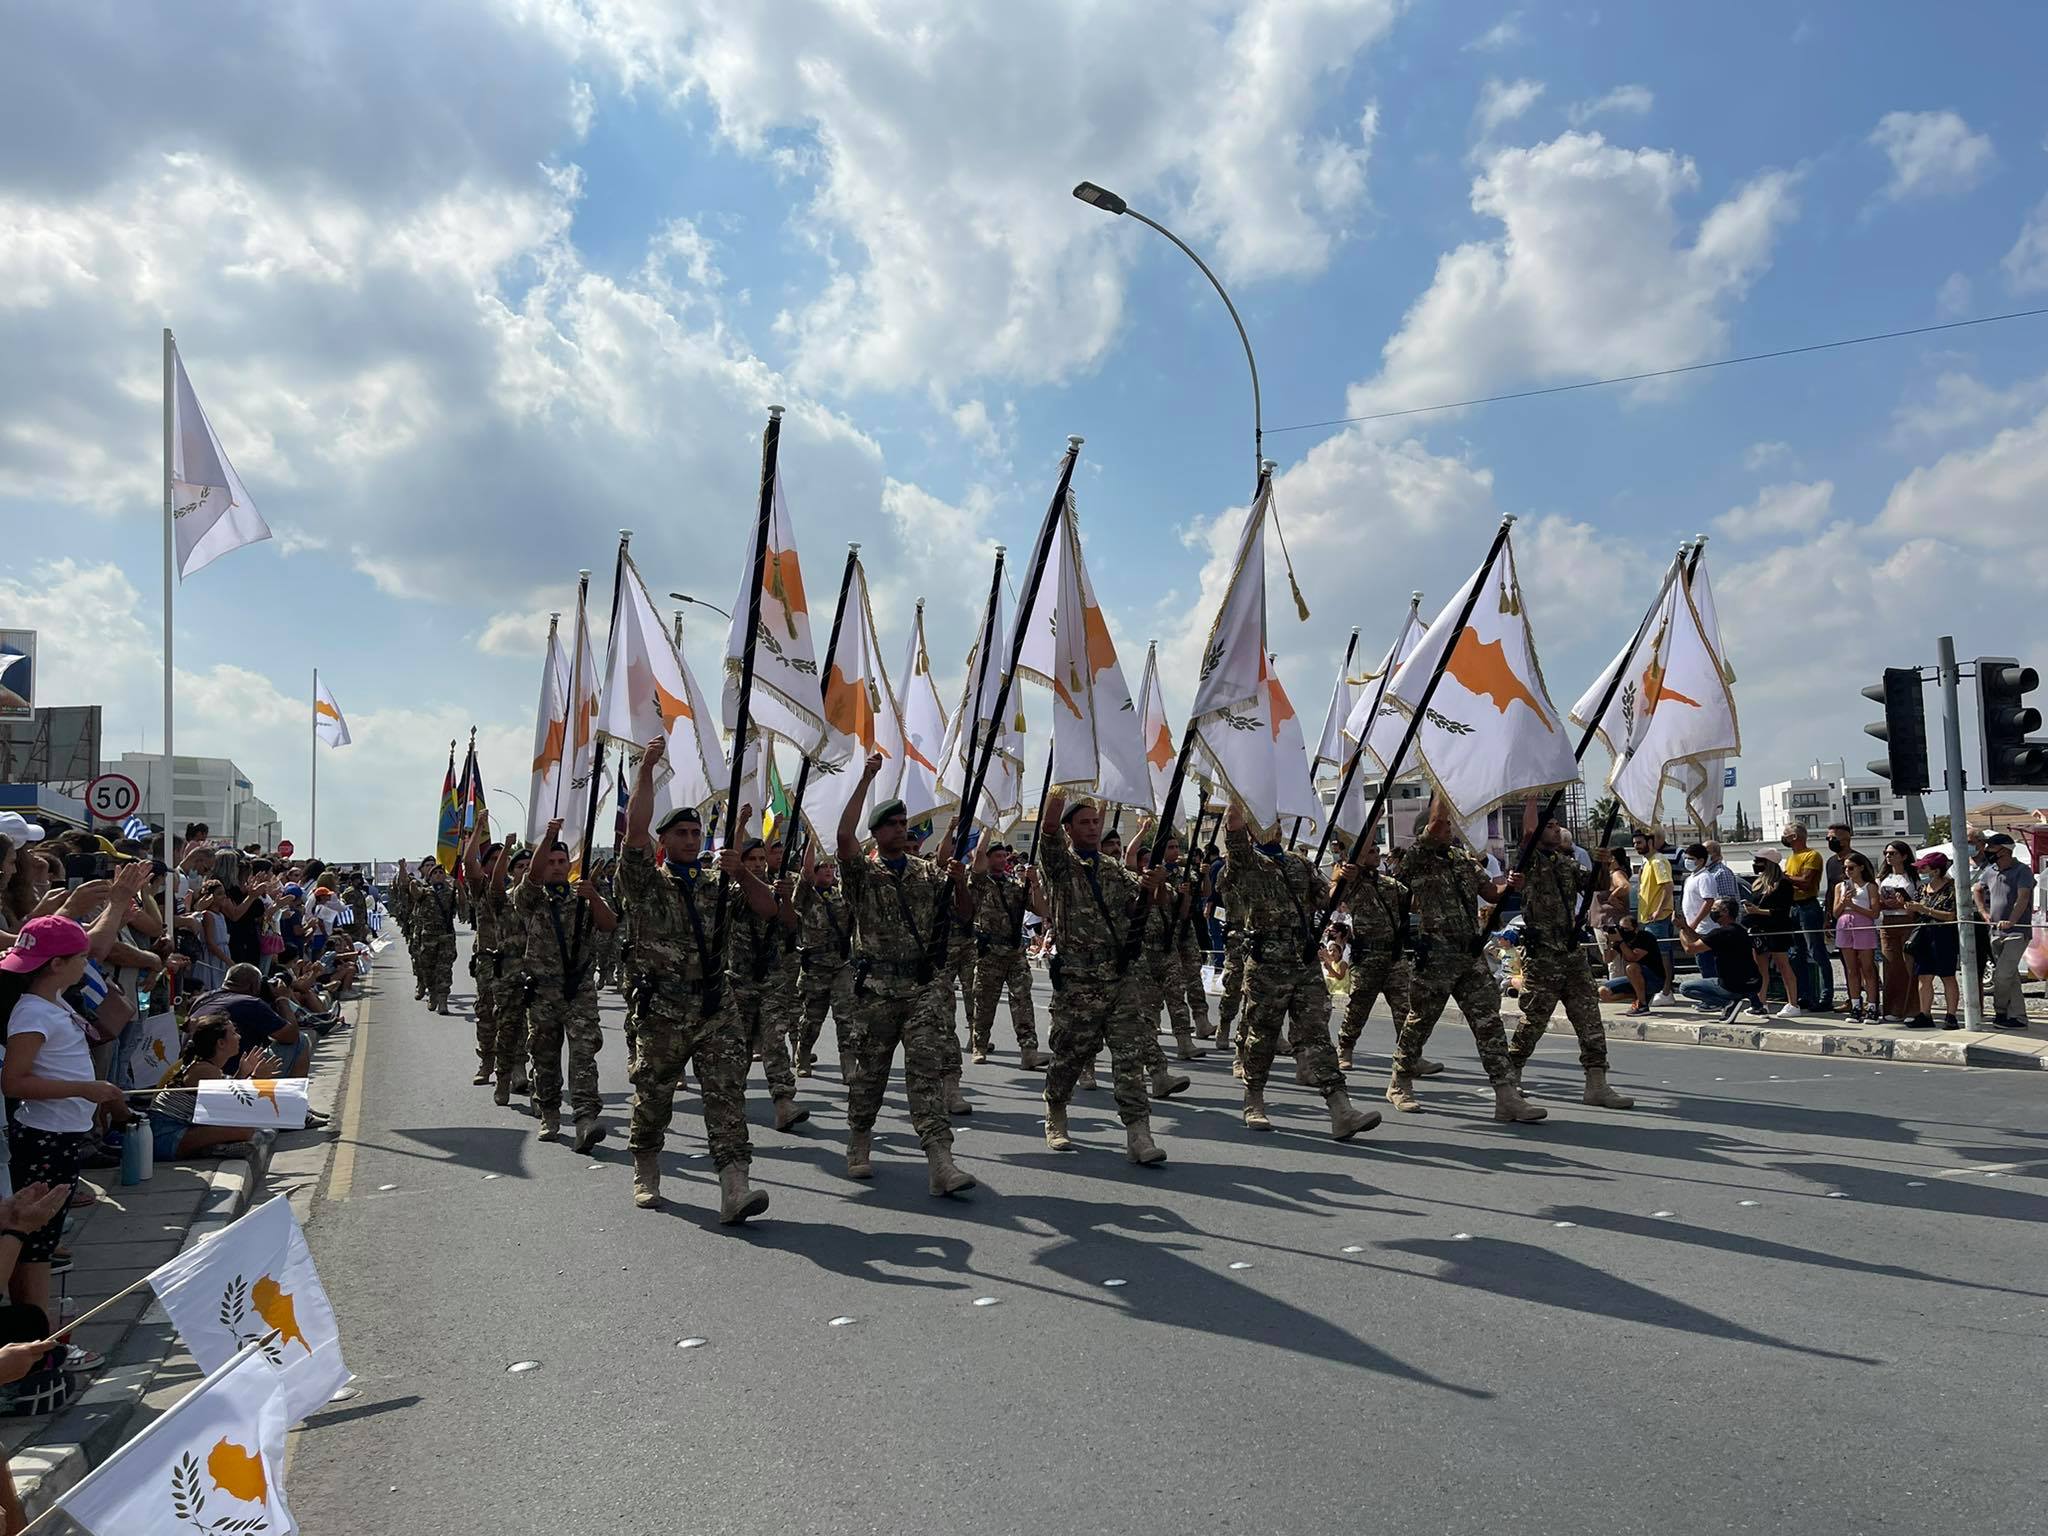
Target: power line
[1663, 373]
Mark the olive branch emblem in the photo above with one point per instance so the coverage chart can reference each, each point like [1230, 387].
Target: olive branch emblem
[234, 1316]
[188, 1502]
[1444, 723]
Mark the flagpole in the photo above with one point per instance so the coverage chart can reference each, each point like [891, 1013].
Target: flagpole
[803, 769]
[1044, 790]
[611, 646]
[170, 578]
[970, 743]
[1415, 719]
[1378, 698]
[1027, 596]
[313, 815]
[771, 447]
[1343, 674]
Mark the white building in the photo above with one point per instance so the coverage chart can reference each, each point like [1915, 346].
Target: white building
[1828, 794]
[206, 789]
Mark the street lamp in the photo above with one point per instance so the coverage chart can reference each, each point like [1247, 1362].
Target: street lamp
[1101, 197]
[515, 800]
[684, 597]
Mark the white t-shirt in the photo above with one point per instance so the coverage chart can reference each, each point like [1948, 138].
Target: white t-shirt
[65, 1056]
[1699, 896]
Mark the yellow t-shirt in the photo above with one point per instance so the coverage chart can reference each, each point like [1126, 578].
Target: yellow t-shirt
[1803, 869]
[1654, 890]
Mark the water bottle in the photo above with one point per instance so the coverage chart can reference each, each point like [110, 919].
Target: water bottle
[138, 1153]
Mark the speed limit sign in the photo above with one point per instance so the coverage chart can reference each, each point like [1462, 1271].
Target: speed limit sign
[112, 797]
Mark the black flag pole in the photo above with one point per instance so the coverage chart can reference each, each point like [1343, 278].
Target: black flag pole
[1415, 719]
[803, 772]
[983, 649]
[1044, 790]
[597, 757]
[1378, 698]
[771, 443]
[1343, 676]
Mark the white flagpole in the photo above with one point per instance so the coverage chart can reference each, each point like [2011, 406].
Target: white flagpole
[170, 576]
[313, 820]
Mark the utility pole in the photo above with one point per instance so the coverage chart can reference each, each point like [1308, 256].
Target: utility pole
[1969, 966]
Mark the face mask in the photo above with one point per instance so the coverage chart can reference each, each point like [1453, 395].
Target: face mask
[1834, 845]
[1786, 841]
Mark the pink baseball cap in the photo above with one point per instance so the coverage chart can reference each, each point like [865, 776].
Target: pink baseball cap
[43, 939]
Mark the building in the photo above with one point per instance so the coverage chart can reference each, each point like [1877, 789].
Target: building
[206, 789]
[1829, 794]
[2004, 816]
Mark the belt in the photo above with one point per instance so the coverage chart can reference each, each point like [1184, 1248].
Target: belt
[900, 969]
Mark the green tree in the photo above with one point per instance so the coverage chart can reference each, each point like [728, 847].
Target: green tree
[1743, 831]
[1937, 829]
[1597, 815]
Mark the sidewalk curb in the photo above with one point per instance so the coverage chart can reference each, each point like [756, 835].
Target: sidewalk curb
[1947, 1048]
[103, 1417]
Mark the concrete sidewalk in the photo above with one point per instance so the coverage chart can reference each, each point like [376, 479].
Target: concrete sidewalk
[115, 1242]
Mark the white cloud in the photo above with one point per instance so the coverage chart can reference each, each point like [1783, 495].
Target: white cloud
[1959, 402]
[2026, 264]
[1931, 153]
[1952, 301]
[1626, 100]
[1988, 497]
[938, 141]
[1763, 455]
[1500, 103]
[1499, 37]
[1590, 275]
[1789, 508]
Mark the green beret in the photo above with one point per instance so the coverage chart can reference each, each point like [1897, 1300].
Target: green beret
[884, 811]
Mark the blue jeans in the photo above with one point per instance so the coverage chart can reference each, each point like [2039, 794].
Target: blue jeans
[1809, 953]
[1709, 994]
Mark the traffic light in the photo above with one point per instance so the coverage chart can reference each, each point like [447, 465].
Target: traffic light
[1903, 730]
[2011, 761]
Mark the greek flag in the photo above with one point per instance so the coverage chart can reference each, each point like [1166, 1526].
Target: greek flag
[92, 990]
[135, 828]
[344, 915]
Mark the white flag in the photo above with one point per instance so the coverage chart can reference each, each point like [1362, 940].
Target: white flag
[1160, 749]
[1703, 783]
[278, 1103]
[210, 510]
[1294, 786]
[924, 726]
[550, 739]
[787, 699]
[253, 1279]
[214, 1462]
[1490, 735]
[1616, 725]
[649, 692]
[1097, 747]
[860, 717]
[327, 722]
[1679, 708]
[1331, 748]
[581, 784]
[154, 1057]
[1234, 713]
[1002, 784]
[1383, 729]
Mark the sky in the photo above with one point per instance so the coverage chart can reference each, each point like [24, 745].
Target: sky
[467, 288]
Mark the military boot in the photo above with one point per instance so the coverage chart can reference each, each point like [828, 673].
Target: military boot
[550, 1124]
[1187, 1049]
[736, 1200]
[1255, 1116]
[1401, 1093]
[1344, 1050]
[1166, 1084]
[1139, 1145]
[589, 1132]
[1223, 1034]
[860, 1157]
[521, 1083]
[1087, 1077]
[948, 1178]
[502, 1095]
[787, 1114]
[1346, 1122]
[980, 1053]
[647, 1180]
[1597, 1092]
[1424, 1067]
[483, 1074]
[1508, 1104]
[1056, 1135]
[1033, 1059]
[956, 1101]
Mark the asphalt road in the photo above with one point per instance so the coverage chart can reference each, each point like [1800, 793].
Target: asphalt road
[1784, 1293]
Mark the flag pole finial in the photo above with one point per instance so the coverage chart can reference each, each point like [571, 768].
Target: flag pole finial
[1507, 519]
[1416, 596]
[775, 413]
[1074, 440]
[583, 575]
[920, 607]
[852, 548]
[1698, 539]
[625, 535]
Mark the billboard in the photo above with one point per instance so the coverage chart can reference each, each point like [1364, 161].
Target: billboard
[17, 674]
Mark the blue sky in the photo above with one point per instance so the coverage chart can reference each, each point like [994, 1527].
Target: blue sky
[467, 290]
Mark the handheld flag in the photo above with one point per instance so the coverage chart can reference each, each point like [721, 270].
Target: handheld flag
[210, 509]
[1158, 739]
[924, 727]
[1703, 782]
[449, 837]
[787, 700]
[579, 788]
[327, 722]
[860, 717]
[1234, 715]
[1376, 722]
[213, 1462]
[155, 1056]
[1002, 786]
[550, 739]
[276, 1102]
[1676, 706]
[651, 692]
[254, 1283]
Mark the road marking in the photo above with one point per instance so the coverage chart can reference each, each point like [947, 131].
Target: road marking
[1981, 1168]
[344, 1166]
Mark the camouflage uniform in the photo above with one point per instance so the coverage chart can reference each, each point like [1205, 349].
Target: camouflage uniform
[1097, 996]
[604, 947]
[674, 1023]
[1000, 903]
[508, 995]
[825, 980]
[1280, 896]
[897, 993]
[561, 1002]
[1234, 956]
[1378, 904]
[1189, 936]
[486, 965]
[433, 950]
[1553, 965]
[959, 976]
[758, 968]
[1443, 892]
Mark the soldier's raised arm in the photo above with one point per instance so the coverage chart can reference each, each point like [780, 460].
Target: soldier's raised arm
[849, 817]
